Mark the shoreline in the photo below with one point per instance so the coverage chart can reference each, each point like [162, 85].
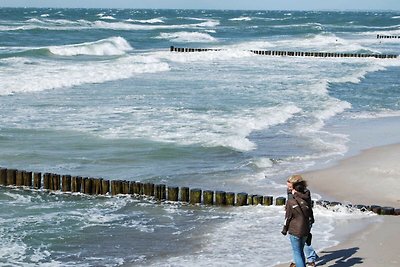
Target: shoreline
[371, 177]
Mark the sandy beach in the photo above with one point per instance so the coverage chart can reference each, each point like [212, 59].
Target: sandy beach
[372, 177]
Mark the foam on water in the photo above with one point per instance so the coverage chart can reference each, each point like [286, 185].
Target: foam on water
[231, 244]
[241, 19]
[52, 75]
[210, 129]
[325, 42]
[383, 113]
[106, 47]
[107, 17]
[186, 37]
[147, 21]
[251, 120]
[81, 24]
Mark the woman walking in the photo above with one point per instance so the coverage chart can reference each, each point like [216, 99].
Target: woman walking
[298, 218]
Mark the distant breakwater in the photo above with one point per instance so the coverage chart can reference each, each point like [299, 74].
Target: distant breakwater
[380, 36]
[291, 53]
[50, 182]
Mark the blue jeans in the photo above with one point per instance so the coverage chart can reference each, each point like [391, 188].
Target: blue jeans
[311, 255]
[298, 250]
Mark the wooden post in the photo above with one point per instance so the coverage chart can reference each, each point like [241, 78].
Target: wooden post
[3, 176]
[97, 186]
[58, 182]
[173, 193]
[387, 211]
[116, 187]
[76, 184]
[268, 200]
[376, 209]
[137, 188]
[51, 182]
[230, 199]
[241, 199]
[19, 178]
[113, 187]
[250, 199]
[220, 198]
[119, 188]
[55, 182]
[195, 196]
[280, 201]
[105, 187]
[132, 185]
[208, 197]
[28, 178]
[37, 180]
[160, 192]
[11, 176]
[163, 192]
[66, 183]
[157, 193]
[149, 189]
[125, 187]
[361, 207]
[46, 181]
[257, 200]
[88, 186]
[184, 194]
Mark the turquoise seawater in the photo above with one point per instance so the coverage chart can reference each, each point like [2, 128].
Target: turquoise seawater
[97, 93]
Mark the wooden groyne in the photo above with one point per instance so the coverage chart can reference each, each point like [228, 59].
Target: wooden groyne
[51, 182]
[380, 36]
[291, 53]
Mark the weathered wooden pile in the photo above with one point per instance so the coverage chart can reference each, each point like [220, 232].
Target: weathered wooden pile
[51, 182]
[290, 53]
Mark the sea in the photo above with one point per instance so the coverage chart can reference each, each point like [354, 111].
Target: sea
[98, 93]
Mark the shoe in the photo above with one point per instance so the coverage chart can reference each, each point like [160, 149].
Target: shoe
[310, 264]
[292, 264]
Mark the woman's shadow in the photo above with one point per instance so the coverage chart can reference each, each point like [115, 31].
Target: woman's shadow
[342, 258]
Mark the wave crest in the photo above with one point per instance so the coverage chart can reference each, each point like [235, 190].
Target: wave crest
[106, 47]
[186, 37]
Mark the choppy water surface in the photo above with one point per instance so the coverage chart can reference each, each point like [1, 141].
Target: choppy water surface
[97, 93]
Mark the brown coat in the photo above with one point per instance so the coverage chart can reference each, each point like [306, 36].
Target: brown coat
[297, 218]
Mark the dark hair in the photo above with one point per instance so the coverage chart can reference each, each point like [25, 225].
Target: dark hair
[300, 187]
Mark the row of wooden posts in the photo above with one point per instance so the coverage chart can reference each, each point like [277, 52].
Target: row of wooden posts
[290, 53]
[99, 186]
[379, 36]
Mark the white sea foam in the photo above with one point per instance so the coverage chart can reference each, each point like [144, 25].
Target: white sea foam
[325, 42]
[49, 75]
[208, 129]
[19, 198]
[55, 25]
[241, 19]
[357, 75]
[263, 163]
[252, 221]
[105, 47]
[184, 37]
[384, 113]
[107, 17]
[147, 21]
[129, 26]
